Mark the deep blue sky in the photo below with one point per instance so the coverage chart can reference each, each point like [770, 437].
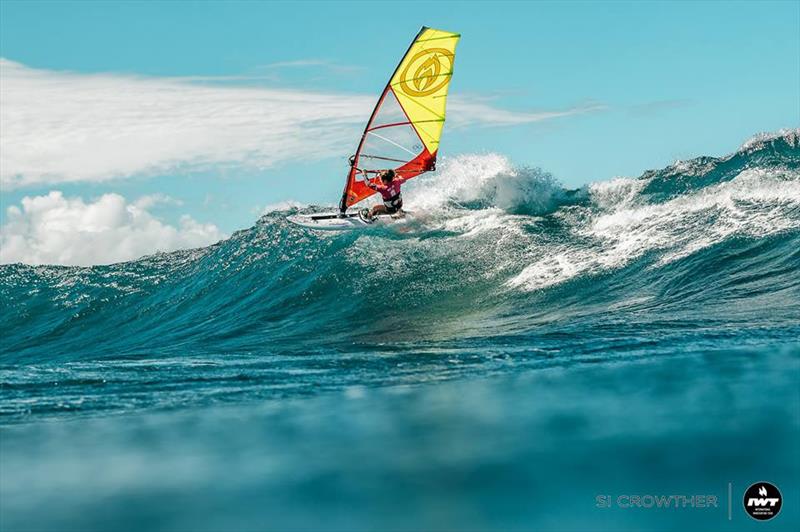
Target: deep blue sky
[679, 79]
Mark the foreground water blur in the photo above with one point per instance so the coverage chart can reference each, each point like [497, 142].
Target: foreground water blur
[523, 452]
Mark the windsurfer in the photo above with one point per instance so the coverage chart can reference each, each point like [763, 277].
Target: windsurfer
[388, 185]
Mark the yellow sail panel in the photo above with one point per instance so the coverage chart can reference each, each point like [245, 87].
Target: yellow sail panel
[421, 82]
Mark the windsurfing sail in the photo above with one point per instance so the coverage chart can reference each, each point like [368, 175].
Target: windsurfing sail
[404, 129]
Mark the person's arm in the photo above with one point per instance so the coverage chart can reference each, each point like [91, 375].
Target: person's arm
[369, 183]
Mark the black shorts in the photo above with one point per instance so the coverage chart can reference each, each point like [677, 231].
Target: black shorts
[393, 206]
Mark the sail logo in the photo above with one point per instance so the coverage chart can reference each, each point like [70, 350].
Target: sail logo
[762, 501]
[427, 72]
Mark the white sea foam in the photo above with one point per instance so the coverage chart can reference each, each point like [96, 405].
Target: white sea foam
[486, 181]
[792, 137]
[459, 179]
[616, 192]
[756, 203]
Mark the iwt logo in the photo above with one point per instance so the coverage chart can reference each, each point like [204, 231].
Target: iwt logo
[762, 501]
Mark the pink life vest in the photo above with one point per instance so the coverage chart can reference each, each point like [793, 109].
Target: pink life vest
[389, 192]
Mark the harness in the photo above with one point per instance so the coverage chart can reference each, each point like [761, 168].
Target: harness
[395, 202]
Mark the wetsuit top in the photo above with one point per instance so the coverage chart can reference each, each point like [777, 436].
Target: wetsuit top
[390, 191]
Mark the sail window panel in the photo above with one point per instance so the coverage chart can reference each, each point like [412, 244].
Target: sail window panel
[389, 147]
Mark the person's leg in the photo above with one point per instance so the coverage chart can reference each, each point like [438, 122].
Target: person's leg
[377, 209]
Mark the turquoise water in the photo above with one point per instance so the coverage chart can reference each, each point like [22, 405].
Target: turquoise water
[512, 353]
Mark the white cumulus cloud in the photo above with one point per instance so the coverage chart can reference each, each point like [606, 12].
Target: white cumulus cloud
[53, 229]
[63, 127]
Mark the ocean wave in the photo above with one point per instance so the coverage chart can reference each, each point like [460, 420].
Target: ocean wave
[774, 151]
[493, 250]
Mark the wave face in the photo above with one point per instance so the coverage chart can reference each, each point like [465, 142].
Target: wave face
[499, 263]
[516, 346]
